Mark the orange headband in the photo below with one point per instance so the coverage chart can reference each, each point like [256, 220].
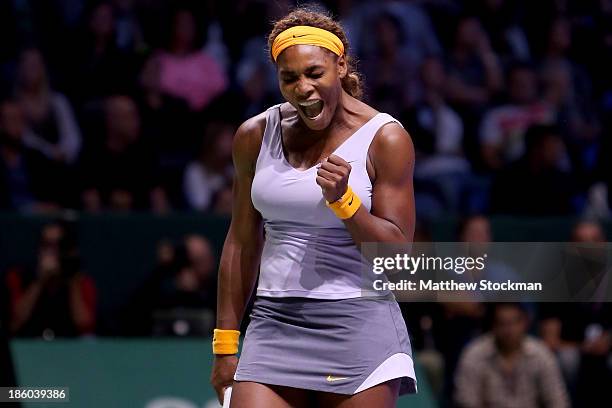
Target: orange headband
[306, 35]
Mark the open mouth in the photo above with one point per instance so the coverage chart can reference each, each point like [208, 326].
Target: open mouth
[311, 109]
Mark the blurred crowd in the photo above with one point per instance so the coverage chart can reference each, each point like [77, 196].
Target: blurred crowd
[132, 104]
[548, 354]
[473, 353]
[55, 297]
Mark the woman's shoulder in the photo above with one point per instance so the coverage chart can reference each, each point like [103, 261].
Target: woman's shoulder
[392, 134]
[253, 127]
[248, 139]
[256, 125]
[390, 142]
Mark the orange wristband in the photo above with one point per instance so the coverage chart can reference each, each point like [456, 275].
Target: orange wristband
[225, 341]
[347, 205]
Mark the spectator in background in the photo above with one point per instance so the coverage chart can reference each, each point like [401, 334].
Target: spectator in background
[22, 169]
[390, 72]
[475, 77]
[462, 321]
[183, 71]
[476, 230]
[118, 173]
[102, 63]
[256, 93]
[502, 130]
[559, 92]
[179, 83]
[437, 132]
[136, 317]
[418, 34]
[580, 334]
[599, 54]
[508, 368]
[591, 323]
[580, 128]
[465, 319]
[192, 284]
[436, 128]
[568, 90]
[56, 299]
[253, 18]
[255, 90]
[538, 183]
[403, 37]
[475, 74]
[129, 32]
[54, 129]
[501, 19]
[183, 281]
[248, 44]
[212, 170]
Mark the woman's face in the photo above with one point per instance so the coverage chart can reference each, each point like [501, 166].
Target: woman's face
[309, 78]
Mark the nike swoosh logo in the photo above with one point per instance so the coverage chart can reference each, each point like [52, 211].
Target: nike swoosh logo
[298, 36]
[332, 379]
[351, 202]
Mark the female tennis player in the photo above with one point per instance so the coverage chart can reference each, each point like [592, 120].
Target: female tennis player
[320, 174]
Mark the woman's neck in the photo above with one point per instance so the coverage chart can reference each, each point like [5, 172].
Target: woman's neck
[346, 117]
[341, 119]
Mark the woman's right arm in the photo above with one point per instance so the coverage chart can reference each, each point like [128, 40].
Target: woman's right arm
[241, 251]
[243, 244]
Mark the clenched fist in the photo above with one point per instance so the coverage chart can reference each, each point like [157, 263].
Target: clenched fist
[332, 176]
[222, 375]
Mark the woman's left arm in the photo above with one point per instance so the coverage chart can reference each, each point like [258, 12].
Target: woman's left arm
[392, 215]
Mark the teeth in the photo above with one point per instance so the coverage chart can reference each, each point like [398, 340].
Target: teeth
[312, 108]
[308, 103]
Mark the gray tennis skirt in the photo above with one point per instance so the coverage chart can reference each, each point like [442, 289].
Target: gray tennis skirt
[324, 345]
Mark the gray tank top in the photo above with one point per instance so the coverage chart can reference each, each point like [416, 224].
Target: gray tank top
[308, 252]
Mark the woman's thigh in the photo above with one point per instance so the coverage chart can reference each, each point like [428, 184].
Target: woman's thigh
[383, 395]
[248, 394]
